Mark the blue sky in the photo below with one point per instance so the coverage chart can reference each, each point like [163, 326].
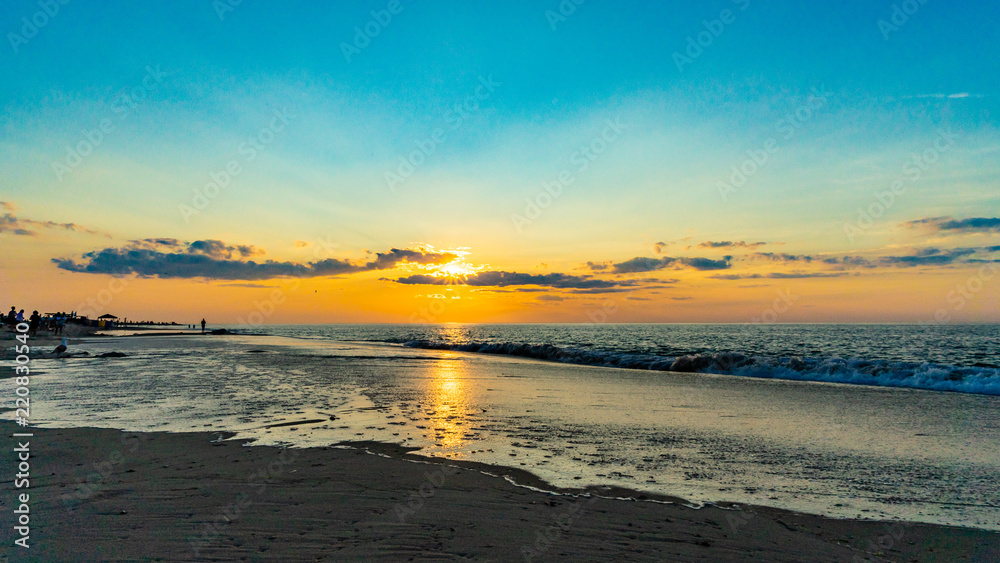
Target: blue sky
[872, 98]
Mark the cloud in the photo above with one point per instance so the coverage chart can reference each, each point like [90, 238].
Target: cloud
[781, 257]
[213, 259]
[850, 262]
[301, 244]
[730, 244]
[8, 205]
[970, 225]
[387, 260]
[24, 227]
[658, 247]
[220, 250]
[706, 263]
[641, 264]
[778, 276]
[550, 298]
[928, 257]
[507, 279]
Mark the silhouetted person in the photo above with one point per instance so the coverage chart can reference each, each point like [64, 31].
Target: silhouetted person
[33, 323]
[203, 326]
[20, 316]
[11, 316]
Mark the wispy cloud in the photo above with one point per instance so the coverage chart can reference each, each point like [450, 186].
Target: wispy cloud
[10, 223]
[641, 264]
[969, 225]
[730, 244]
[507, 279]
[778, 276]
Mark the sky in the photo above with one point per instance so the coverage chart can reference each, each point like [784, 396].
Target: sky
[576, 161]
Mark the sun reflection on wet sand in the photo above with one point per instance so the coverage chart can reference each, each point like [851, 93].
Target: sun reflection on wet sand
[448, 404]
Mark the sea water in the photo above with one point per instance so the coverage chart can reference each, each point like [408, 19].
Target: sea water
[870, 421]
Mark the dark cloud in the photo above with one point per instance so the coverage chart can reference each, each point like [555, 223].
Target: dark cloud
[730, 244]
[658, 247]
[778, 276]
[387, 260]
[707, 263]
[970, 225]
[550, 298]
[781, 257]
[850, 262]
[213, 259]
[507, 279]
[928, 257]
[220, 250]
[642, 264]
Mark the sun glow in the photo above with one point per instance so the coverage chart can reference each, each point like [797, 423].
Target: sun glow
[455, 269]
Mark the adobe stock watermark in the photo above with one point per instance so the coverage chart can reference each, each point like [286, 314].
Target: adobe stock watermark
[363, 35]
[249, 149]
[93, 306]
[94, 481]
[563, 11]
[257, 479]
[580, 160]
[912, 171]
[603, 313]
[455, 117]
[122, 106]
[894, 533]
[899, 17]
[696, 44]
[758, 158]
[264, 309]
[964, 293]
[223, 7]
[780, 306]
[31, 26]
[433, 481]
[552, 533]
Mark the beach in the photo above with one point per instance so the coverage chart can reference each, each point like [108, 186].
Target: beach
[105, 495]
[220, 447]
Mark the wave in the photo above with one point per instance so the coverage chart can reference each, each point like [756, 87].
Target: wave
[936, 377]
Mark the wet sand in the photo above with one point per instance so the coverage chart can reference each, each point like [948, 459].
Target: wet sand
[101, 494]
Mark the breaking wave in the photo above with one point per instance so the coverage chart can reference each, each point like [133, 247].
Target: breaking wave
[981, 380]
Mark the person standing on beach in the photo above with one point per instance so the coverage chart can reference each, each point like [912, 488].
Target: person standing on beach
[33, 323]
[203, 326]
[20, 316]
[12, 315]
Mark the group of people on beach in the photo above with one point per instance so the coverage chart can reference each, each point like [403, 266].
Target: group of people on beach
[55, 322]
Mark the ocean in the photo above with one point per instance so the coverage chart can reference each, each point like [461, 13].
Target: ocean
[889, 422]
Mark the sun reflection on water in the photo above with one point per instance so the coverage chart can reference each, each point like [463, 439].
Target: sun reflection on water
[449, 409]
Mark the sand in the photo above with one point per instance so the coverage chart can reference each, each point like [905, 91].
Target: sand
[100, 494]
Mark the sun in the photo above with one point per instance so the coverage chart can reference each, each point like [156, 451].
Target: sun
[455, 270]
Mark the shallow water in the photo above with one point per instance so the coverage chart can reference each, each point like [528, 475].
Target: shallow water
[833, 449]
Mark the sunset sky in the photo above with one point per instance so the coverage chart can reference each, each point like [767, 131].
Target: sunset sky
[407, 161]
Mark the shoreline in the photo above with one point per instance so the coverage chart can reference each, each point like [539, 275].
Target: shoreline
[103, 494]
